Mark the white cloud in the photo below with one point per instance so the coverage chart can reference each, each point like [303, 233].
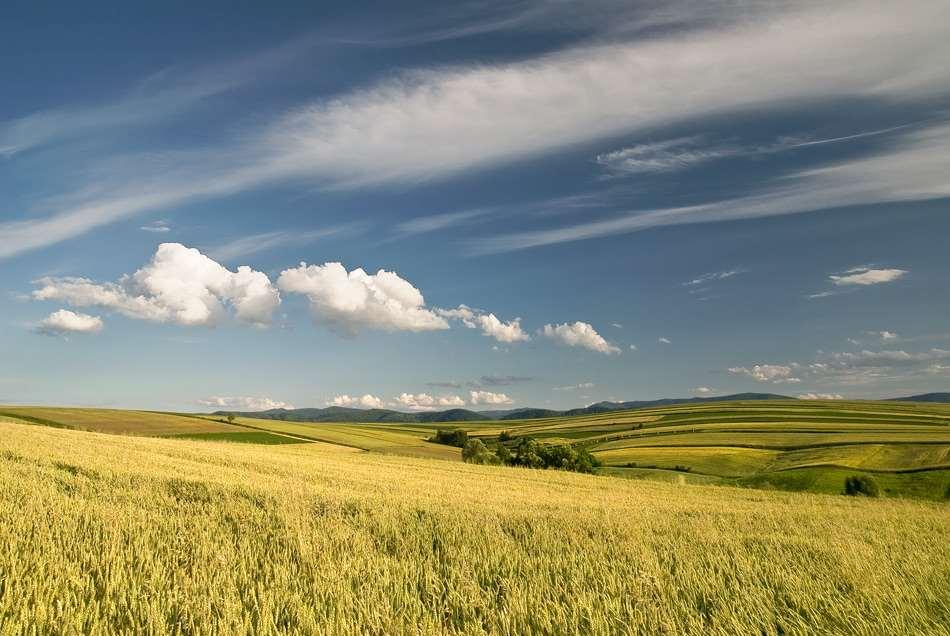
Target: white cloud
[775, 373]
[488, 397]
[158, 227]
[663, 340]
[429, 124]
[703, 390]
[439, 122]
[684, 152]
[662, 156]
[490, 325]
[711, 276]
[244, 403]
[865, 276]
[349, 302]
[887, 335]
[633, 347]
[866, 358]
[417, 401]
[65, 322]
[367, 401]
[820, 396]
[574, 387]
[579, 334]
[426, 402]
[179, 285]
[616, 325]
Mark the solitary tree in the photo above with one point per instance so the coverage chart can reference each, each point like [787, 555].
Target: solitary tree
[230, 418]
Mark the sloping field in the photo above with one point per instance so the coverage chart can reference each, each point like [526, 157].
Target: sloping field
[113, 420]
[108, 534]
[409, 439]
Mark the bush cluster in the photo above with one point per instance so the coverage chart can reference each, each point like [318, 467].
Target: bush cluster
[531, 454]
[454, 437]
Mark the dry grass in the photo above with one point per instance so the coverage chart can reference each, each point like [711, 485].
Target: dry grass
[106, 534]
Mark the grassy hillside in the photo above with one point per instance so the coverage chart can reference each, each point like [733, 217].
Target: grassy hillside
[206, 537]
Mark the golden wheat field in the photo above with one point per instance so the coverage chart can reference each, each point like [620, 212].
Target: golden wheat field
[107, 534]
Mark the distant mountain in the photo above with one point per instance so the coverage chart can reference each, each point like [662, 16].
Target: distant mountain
[452, 415]
[923, 397]
[344, 414]
[530, 414]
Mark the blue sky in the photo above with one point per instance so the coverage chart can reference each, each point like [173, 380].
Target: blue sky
[484, 204]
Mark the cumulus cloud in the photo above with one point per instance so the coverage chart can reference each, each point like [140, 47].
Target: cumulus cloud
[367, 401]
[703, 390]
[65, 322]
[488, 397]
[350, 302]
[663, 340]
[490, 325]
[244, 403]
[451, 400]
[579, 334]
[774, 373]
[866, 276]
[820, 396]
[179, 285]
[426, 402]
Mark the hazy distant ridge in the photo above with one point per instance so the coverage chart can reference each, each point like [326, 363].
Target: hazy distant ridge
[343, 414]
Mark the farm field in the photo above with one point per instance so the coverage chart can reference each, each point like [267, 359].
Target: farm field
[788, 445]
[115, 421]
[186, 536]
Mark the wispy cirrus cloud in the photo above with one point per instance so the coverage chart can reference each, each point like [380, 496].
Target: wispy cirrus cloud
[911, 168]
[431, 124]
[247, 245]
[159, 96]
[685, 152]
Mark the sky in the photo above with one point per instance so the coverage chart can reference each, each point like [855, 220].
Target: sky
[487, 205]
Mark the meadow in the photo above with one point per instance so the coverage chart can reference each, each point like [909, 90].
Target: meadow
[118, 534]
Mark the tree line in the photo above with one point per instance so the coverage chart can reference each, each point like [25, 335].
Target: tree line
[525, 451]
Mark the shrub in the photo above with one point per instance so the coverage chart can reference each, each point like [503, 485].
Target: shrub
[505, 436]
[475, 452]
[454, 437]
[861, 485]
